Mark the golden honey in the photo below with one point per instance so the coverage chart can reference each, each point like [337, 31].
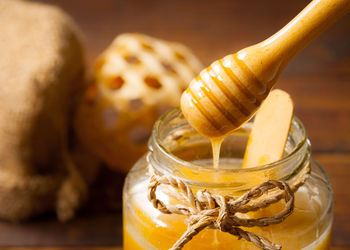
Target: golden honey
[177, 150]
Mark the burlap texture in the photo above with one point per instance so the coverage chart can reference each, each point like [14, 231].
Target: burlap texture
[41, 70]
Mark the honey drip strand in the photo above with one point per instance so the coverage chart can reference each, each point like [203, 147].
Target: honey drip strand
[207, 210]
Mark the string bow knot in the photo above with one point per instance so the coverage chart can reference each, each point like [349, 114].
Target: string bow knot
[225, 213]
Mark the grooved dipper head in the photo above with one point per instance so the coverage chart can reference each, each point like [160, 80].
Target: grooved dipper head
[222, 97]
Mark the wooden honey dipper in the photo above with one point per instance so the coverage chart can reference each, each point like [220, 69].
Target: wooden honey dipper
[230, 90]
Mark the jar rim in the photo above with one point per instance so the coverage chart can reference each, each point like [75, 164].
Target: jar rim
[175, 112]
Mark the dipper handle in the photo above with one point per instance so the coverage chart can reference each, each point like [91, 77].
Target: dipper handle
[268, 58]
[229, 91]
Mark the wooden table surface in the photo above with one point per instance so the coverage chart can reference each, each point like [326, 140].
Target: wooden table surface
[318, 80]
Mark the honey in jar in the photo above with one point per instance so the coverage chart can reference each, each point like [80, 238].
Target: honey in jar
[176, 150]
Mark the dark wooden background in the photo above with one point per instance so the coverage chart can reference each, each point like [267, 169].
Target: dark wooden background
[318, 80]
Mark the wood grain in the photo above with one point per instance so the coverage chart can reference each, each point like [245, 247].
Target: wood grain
[337, 167]
[318, 80]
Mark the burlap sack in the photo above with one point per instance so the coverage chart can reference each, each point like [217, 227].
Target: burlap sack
[41, 69]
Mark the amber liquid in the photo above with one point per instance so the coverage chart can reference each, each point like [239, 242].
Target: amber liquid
[309, 226]
[147, 228]
[216, 146]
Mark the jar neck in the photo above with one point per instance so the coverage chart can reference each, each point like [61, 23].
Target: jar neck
[179, 151]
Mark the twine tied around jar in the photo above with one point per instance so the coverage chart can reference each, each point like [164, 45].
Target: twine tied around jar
[213, 211]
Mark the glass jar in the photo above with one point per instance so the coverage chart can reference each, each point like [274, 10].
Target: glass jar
[178, 151]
